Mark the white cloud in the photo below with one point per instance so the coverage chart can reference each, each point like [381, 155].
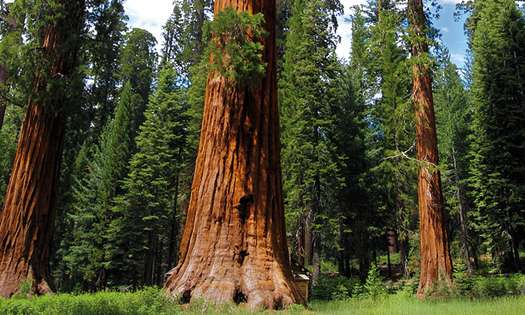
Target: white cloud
[345, 28]
[458, 59]
[149, 14]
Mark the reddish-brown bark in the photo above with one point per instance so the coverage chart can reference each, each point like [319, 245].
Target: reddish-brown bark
[26, 220]
[233, 247]
[436, 262]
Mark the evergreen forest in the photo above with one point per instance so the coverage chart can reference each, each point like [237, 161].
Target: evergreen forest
[239, 163]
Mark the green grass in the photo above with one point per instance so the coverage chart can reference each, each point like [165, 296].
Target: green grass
[401, 305]
[150, 301]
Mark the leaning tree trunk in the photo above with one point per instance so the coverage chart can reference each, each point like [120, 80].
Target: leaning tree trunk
[233, 247]
[436, 263]
[26, 220]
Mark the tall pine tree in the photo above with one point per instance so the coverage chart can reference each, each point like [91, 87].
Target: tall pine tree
[148, 215]
[310, 85]
[497, 173]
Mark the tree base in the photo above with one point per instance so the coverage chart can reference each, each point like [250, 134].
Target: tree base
[253, 286]
[13, 282]
[432, 287]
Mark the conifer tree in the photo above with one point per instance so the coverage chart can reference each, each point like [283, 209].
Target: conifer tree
[90, 256]
[453, 116]
[104, 48]
[183, 35]
[310, 87]
[96, 94]
[497, 173]
[148, 212]
[4, 30]
[95, 256]
[183, 46]
[393, 128]
[138, 63]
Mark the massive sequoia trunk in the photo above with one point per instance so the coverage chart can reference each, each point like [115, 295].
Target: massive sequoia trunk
[436, 263]
[233, 247]
[26, 220]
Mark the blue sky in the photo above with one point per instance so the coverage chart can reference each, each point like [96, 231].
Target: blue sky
[152, 14]
[453, 34]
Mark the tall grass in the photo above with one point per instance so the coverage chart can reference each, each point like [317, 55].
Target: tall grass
[403, 305]
[151, 301]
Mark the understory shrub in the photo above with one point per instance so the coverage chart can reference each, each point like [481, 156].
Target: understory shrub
[332, 287]
[149, 301]
[490, 286]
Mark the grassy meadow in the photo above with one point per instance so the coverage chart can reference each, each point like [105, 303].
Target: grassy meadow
[151, 302]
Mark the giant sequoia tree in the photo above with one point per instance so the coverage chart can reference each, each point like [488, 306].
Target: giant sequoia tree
[26, 220]
[233, 247]
[436, 262]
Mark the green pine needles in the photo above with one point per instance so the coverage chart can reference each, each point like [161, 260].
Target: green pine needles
[235, 45]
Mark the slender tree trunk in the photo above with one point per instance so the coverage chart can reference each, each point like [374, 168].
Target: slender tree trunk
[300, 246]
[364, 256]
[436, 263]
[233, 247]
[26, 221]
[391, 238]
[149, 259]
[3, 105]
[174, 226]
[467, 253]
[389, 264]
[159, 272]
[342, 251]
[404, 248]
[316, 260]
[390, 249]
[515, 251]
[309, 238]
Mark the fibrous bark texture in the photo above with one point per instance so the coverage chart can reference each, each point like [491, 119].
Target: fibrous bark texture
[26, 219]
[436, 262]
[233, 247]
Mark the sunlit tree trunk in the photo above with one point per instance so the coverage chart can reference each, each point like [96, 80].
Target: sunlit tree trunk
[436, 263]
[26, 219]
[233, 247]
